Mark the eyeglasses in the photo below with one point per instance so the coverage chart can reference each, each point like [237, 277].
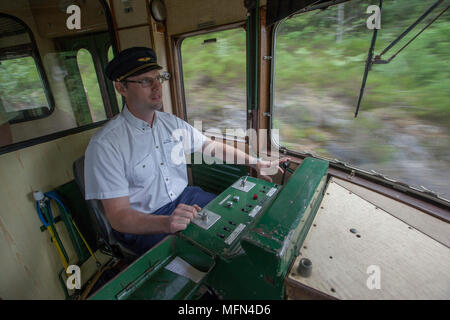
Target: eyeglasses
[148, 82]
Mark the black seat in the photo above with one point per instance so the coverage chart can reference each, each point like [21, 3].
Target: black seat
[104, 231]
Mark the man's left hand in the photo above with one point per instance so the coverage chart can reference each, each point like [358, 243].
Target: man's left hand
[266, 168]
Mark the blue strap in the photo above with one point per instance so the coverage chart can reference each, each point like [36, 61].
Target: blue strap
[38, 208]
[39, 211]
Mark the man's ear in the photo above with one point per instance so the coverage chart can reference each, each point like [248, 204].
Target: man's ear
[120, 87]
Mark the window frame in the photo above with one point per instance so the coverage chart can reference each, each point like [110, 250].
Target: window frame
[63, 133]
[33, 52]
[178, 41]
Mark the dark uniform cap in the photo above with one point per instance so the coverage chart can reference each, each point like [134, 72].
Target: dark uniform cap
[131, 62]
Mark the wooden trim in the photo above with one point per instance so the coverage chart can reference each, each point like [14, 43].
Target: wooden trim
[298, 291]
[134, 26]
[150, 24]
[176, 85]
[221, 27]
[113, 16]
[171, 67]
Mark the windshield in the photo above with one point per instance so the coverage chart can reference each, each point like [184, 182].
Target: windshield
[402, 129]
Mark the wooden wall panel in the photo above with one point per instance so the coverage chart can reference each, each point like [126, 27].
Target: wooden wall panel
[30, 263]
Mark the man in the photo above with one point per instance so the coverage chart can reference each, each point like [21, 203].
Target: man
[132, 166]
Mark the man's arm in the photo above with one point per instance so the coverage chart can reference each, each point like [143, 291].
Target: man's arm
[126, 220]
[105, 180]
[242, 157]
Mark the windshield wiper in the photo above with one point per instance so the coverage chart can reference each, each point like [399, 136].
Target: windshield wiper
[368, 64]
[377, 60]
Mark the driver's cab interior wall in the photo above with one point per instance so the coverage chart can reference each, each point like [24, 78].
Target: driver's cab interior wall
[30, 263]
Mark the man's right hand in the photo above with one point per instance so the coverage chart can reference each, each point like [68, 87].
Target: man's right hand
[181, 216]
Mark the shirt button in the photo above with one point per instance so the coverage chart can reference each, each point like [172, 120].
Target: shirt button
[157, 147]
[143, 166]
[162, 163]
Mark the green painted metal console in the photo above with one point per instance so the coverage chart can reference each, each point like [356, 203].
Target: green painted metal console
[244, 241]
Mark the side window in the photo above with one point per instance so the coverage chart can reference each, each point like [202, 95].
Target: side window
[402, 130]
[51, 76]
[214, 78]
[24, 92]
[91, 86]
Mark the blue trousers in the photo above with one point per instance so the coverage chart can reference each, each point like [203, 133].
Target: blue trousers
[141, 243]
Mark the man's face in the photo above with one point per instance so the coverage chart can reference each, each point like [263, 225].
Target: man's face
[142, 96]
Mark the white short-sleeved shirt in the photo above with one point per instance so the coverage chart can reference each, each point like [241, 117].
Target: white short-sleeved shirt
[129, 158]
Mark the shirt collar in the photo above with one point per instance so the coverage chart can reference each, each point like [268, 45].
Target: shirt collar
[136, 122]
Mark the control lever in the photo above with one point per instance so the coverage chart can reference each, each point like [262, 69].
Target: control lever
[244, 181]
[204, 216]
[285, 166]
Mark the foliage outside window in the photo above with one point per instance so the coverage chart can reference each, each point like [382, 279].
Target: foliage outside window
[91, 86]
[214, 74]
[403, 126]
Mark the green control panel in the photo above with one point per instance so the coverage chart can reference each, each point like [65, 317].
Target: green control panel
[243, 242]
[219, 225]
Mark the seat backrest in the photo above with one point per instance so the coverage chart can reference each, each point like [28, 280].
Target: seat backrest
[98, 217]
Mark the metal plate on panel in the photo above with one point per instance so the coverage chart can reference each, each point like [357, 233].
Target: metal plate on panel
[271, 192]
[254, 211]
[246, 188]
[208, 222]
[224, 199]
[235, 233]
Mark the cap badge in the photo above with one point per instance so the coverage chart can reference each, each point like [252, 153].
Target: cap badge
[144, 59]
